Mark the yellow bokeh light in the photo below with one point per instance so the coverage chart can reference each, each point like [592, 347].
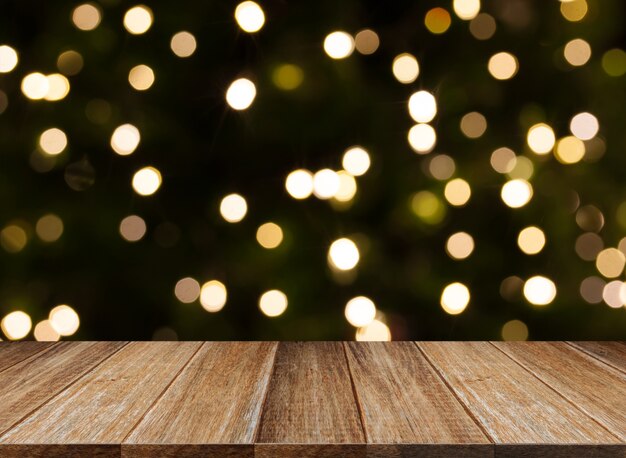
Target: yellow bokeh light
[146, 181]
[514, 330]
[213, 296]
[611, 262]
[441, 167]
[53, 141]
[584, 126]
[437, 20]
[70, 63]
[614, 294]
[366, 42]
[44, 332]
[347, 187]
[288, 77]
[483, 26]
[574, 10]
[64, 320]
[13, 238]
[133, 228]
[269, 235]
[360, 311]
[428, 207]
[35, 86]
[523, 168]
[16, 325]
[460, 245]
[325, 183]
[273, 303]
[473, 125]
[233, 208]
[356, 161]
[8, 59]
[569, 150]
[138, 19]
[187, 290]
[49, 228]
[531, 240]
[58, 87]
[405, 68]
[86, 16]
[503, 66]
[454, 298]
[376, 331]
[141, 77]
[125, 139]
[457, 192]
[422, 106]
[614, 62]
[516, 193]
[249, 16]
[539, 290]
[422, 138]
[343, 254]
[338, 45]
[466, 9]
[299, 184]
[541, 138]
[241, 94]
[503, 160]
[183, 44]
[577, 52]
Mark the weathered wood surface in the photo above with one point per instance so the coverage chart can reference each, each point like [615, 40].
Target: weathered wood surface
[313, 399]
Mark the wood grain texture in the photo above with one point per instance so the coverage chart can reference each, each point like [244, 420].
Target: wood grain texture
[611, 353]
[103, 406]
[217, 399]
[30, 383]
[595, 388]
[13, 352]
[310, 401]
[513, 406]
[403, 401]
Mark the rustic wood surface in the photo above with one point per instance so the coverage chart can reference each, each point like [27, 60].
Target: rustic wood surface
[313, 399]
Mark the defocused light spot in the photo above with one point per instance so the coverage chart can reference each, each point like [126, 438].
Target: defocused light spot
[133, 228]
[241, 94]
[338, 45]
[457, 192]
[591, 289]
[428, 207]
[233, 208]
[441, 167]
[53, 141]
[325, 183]
[503, 160]
[437, 20]
[516, 193]
[213, 296]
[13, 238]
[141, 77]
[514, 330]
[531, 240]
[589, 218]
[569, 150]
[511, 288]
[356, 161]
[288, 77]
[614, 62]
[473, 125]
[376, 331]
[460, 245]
[269, 235]
[146, 181]
[454, 298]
[541, 138]
[249, 16]
[360, 311]
[422, 138]
[64, 320]
[273, 303]
[58, 87]
[502, 66]
[483, 26]
[577, 52]
[611, 262]
[35, 86]
[187, 290]
[138, 19]
[49, 228]
[584, 126]
[422, 106]
[70, 63]
[366, 42]
[588, 246]
[79, 175]
[183, 44]
[574, 10]
[466, 9]
[405, 68]
[16, 325]
[299, 184]
[539, 290]
[86, 16]
[523, 168]
[125, 139]
[343, 254]
[8, 59]
[347, 187]
[44, 332]
[614, 294]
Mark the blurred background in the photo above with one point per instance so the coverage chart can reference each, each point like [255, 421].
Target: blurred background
[313, 170]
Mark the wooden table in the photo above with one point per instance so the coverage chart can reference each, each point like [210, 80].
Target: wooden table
[326, 399]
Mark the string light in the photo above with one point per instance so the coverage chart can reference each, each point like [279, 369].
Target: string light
[516, 193]
[405, 68]
[503, 66]
[325, 183]
[610, 262]
[249, 16]
[541, 138]
[35, 86]
[343, 254]
[233, 208]
[299, 184]
[58, 87]
[86, 16]
[422, 138]
[183, 44]
[141, 77]
[146, 181]
[53, 141]
[457, 192]
[273, 303]
[241, 94]
[454, 298]
[466, 9]
[64, 320]
[584, 126]
[138, 19]
[539, 290]
[460, 245]
[360, 311]
[125, 139]
[16, 325]
[347, 187]
[338, 45]
[356, 161]
[531, 240]
[422, 106]
[8, 59]
[213, 296]
[577, 52]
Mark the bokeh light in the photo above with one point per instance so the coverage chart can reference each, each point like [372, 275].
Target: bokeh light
[460, 245]
[53, 141]
[269, 235]
[473, 125]
[241, 94]
[233, 208]
[502, 66]
[569, 150]
[360, 311]
[422, 138]
[146, 181]
[70, 62]
[577, 52]
[138, 19]
[574, 10]
[64, 320]
[540, 138]
[13, 238]
[610, 262]
[531, 240]
[339, 45]
[437, 20]
[187, 290]
[516, 193]
[133, 228]
[44, 332]
[539, 290]
[356, 161]
[343, 254]
[213, 296]
[483, 26]
[8, 59]
[49, 228]
[503, 160]
[457, 192]
[86, 16]
[614, 62]
[16, 325]
[422, 106]
[288, 77]
[455, 298]
[428, 207]
[249, 16]
[366, 42]
[405, 68]
[347, 187]
[466, 9]
[125, 139]
[183, 44]
[273, 303]
[141, 77]
[35, 86]
[514, 330]
[584, 126]
[299, 184]
[325, 183]
[376, 331]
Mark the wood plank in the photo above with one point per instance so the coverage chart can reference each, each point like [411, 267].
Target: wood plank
[611, 353]
[594, 387]
[406, 408]
[103, 406]
[30, 383]
[513, 406]
[310, 408]
[216, 401]
[13, 352]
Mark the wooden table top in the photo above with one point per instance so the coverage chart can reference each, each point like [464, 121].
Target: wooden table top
[313, 399]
